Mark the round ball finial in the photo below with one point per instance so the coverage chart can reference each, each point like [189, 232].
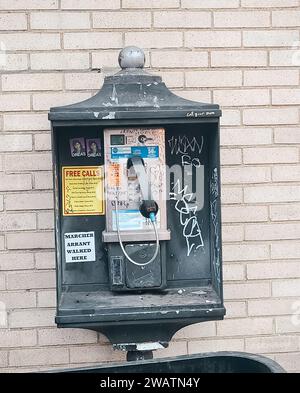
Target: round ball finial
[131, 57]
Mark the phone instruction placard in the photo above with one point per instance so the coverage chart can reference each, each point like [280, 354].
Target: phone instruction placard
[82, 188]
[80, 247]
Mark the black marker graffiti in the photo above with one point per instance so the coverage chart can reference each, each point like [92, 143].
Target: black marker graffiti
[214, 190]
[191, 230]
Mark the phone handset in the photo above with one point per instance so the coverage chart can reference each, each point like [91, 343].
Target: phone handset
[148, 207]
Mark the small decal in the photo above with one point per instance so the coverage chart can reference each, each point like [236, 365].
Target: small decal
[80, 247]
[93, 147]
[77, 147]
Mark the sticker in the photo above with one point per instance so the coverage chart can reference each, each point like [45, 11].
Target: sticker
[130, 151]
[113, 175]
[93, 147]
[82, 189]
[128, 220]
[77, 147]
[80, 247]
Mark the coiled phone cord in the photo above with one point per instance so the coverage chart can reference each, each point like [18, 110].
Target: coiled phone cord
[152, 219]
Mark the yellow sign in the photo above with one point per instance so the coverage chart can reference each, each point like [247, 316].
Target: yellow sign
[82, 189]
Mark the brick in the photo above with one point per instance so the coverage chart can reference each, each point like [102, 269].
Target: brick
[31, 280]
[239, 58]
[38, 356]
[287, 135]
[231, 156]
[230, 117]
[241, 19]
[17, 221]
[3, 358]
[182, 19]
[43, 180]
[92, 40]
[261, 38]
[246, 136]
[29, 201]
[286, 173]
[286, 96]
[285, 250]
[194, 95]
[244, 213]
[31, 318]
[286, 18]
[13, 21]
[1, 202]
[174, 349]
[179, 59]
[289, 287]
[236, 309]
[283, 58]
[271, 194]
[273, 270]
[30, 41]
[271, 116]
[59, 21]
[287, 212]
[26, 122]
[245, 252]
[197, 330]
[16, 261]
[269, 3]
[28, 4]
[269, 155]
[46, 298]
[90, 4]
[2, 244]
[15, 182]
[213, 39]
[234, 344]
[213, 78]
[232, 233]
[83, 81]
[44, 101]
[14, 102]
[171, 78]
[15, 62]
[42, 141]
[45, 260]
[289, 361]
[66, 336]
[121, 20]
[155, 39]
[212, 4]
[233, 272]
[28, 162]
[30, 240]
[95, 353]
[288, 324]
[13, 300]
[16, 142]
[263, 307]
[270, 78]
[245, 327]
[45, 220]
[272, 344]
[231, 195]
[23, 82]
[242, 97]
[246, 175]
[2, 281]
[17, 338]
[60, 61]
[150, 4]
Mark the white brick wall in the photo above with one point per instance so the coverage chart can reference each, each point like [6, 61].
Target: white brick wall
[242, 54]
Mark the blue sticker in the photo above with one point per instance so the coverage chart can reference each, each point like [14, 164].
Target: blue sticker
[129, 152]
[128, 220]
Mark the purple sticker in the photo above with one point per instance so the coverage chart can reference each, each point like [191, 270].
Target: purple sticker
[93, 147]
[77, 147]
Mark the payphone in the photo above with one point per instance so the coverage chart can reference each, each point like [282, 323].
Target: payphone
[137, 210]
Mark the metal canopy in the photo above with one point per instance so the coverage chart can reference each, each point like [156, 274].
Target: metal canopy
[133, 93]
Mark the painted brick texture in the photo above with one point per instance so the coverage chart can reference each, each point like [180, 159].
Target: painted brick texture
[242, 54]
